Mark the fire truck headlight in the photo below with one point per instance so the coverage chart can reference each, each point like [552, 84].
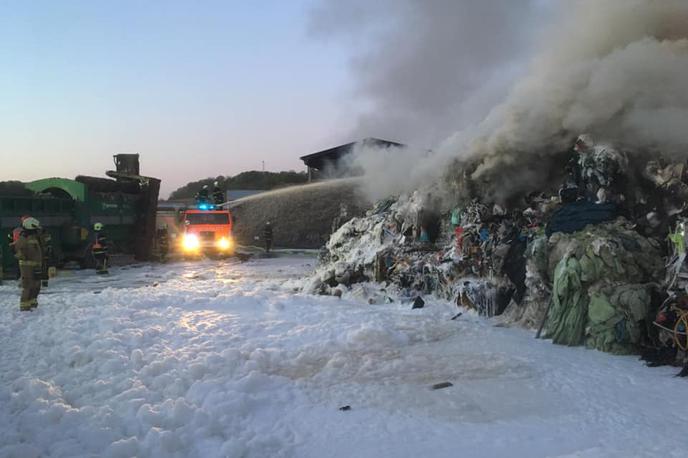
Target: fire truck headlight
[191, 242]
[224, 244]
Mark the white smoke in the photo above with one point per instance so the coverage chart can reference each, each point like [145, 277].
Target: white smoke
[391, 170]
[425, 67]
[614, 68]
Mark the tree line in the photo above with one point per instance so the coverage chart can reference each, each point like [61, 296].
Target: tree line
[245, 180]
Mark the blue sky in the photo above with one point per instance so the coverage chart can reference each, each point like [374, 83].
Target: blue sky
[197, 88]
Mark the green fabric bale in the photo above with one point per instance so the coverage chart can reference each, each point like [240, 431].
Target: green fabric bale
[615, 313]
[600, 287]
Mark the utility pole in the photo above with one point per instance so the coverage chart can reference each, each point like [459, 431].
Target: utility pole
[263, 165]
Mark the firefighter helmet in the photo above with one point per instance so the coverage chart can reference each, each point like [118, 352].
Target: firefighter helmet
[30, 223]
[98, 227]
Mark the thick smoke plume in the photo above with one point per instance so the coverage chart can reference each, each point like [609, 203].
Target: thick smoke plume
[613, 68]
[426, 67]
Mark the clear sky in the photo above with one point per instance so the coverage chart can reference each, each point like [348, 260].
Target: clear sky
[198, 88]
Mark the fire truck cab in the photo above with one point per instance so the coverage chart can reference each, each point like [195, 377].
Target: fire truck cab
[207, 230]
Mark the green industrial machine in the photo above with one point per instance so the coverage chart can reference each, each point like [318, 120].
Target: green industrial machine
[126, 205]
[55, 214]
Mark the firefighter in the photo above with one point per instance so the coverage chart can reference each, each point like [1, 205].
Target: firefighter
[202, 196]
[267, 236]
[99, 249]
[163, 243]
[218, 194]
[30, 255]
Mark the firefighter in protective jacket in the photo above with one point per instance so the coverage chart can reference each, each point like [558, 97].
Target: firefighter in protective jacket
[99, 249]
[267, 236]
[28, 250]
[163, 239]
[218, 194]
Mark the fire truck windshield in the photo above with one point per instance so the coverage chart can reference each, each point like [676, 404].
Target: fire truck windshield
[207, 218]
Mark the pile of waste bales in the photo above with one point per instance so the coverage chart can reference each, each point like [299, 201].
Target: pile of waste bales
[599, 262]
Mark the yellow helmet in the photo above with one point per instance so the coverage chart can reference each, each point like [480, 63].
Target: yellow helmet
[98, 227]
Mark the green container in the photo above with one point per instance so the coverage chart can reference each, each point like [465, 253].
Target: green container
[68, 209]
[54, 213]
[115, 209]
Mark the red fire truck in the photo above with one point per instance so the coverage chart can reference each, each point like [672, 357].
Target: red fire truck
[207, 231]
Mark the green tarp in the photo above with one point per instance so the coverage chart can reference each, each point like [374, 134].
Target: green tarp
[567, 316]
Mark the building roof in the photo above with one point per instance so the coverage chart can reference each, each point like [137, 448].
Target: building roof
[333, 155]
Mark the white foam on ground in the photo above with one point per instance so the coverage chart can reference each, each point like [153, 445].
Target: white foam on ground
[224, 359]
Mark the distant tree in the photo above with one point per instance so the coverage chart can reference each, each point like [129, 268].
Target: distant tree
[245, 180]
